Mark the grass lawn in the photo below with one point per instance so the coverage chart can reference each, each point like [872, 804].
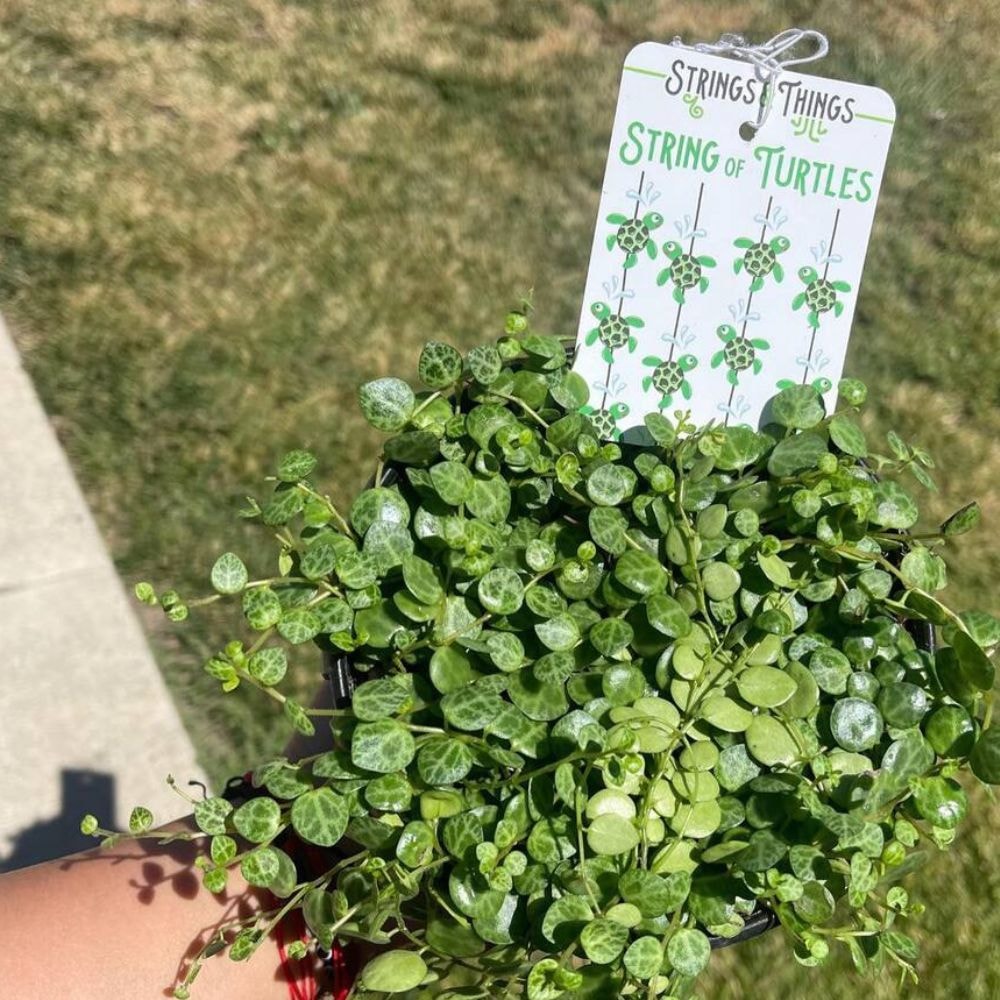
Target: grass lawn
[218, 216]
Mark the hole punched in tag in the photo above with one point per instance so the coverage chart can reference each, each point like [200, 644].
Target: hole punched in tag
[768, 58]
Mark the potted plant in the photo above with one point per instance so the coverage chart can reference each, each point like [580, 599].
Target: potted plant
[601, 705]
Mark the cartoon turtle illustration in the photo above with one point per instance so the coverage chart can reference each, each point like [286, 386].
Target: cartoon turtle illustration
[819, 294]
[633, 235]
[761, 259]
[668, 377]
[613, 331]
[822, 384]
[684, 270]
[739, 353]
[606, 421]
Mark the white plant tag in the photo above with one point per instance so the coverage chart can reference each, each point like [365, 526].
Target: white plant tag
[723, 269]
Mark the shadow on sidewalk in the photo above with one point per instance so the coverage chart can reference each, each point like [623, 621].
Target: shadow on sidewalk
[82, 792]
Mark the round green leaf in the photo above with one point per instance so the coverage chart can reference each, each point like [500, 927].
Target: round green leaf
[975, 665]
[378, 699]
[611, 636]
[548, 980]
[640, 572]
[797, 453]
[799, 407]
[770, 742]
[262, 608]
[559, 633]
[389, 793]
[551, 840]
[484, 363]
[697, 820]
[451, 669]
[394, 971]
[505, 650]
[299, 625]
[667, 615]
[257, 820]
[388, 545]
[268, 665]
[856, 724]
[848, 437]
[412, 448]
[320, 817]
[422, 580]
[608, 485]
[296, 465]
[735, 767]
[501, 591]
[941, 801]
[261, 867]
[902, 704]
[319, 559]
[644, 957]
[894, 507]
[564, 920]
[830, 668]
[537, 699]
[622, 684]
[964, 519]
[721, 581]
[378, 504]
[985, 757]
[440, 365]
[447, 937]
[382, 746]
[415, 846]
[725, 714]
[924, 570]
[471, 708]
[816, 904]
[603, 940]
[229, 575]
[951, 731]
[210, 815]
[765, 687]
[607, 528]
[223, 849]
[386, 403]
[452, 481]
[610, 834]
[444, 761]
[688, 951]
[653, 895]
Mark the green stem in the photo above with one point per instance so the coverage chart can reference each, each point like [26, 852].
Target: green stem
[331, 507]
[524, 406]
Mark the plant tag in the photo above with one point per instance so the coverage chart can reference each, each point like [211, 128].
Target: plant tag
[723, 268]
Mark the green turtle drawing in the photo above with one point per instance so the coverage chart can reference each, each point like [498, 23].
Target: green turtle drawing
[820, 295]
[606, 421]
[822, 385]
[667, 377]
[612, 330]
[761, 259]
[739, 353]
[633, 235]
[684, 270]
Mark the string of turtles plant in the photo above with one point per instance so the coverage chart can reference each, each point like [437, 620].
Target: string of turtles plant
[613, 698]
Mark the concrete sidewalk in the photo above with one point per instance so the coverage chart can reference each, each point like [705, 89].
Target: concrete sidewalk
[87, 722]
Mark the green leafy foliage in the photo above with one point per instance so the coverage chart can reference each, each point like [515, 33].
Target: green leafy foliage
[610, 699]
